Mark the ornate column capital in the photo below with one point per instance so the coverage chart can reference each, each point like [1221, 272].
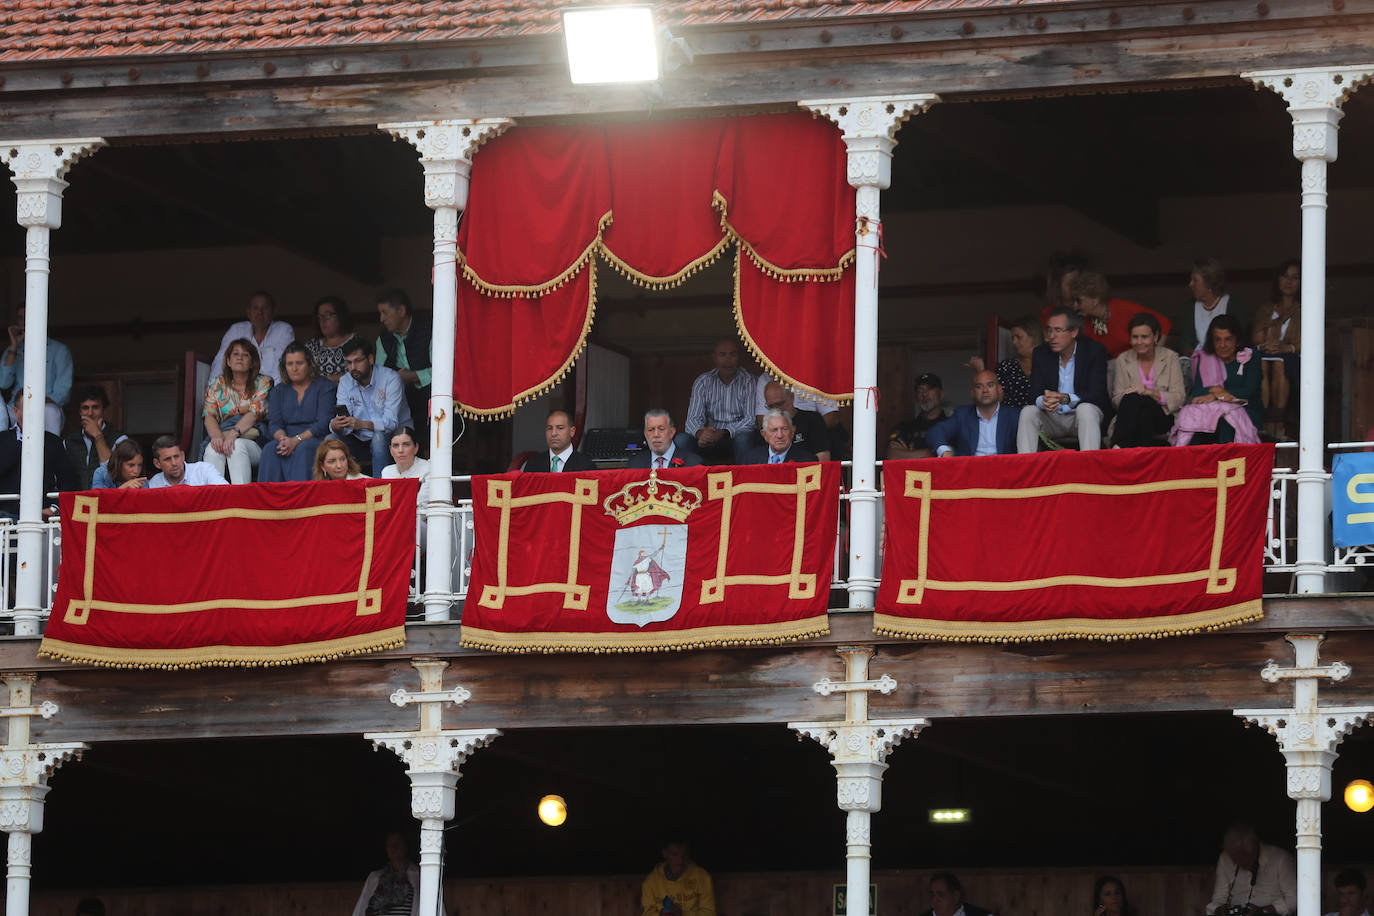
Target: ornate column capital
[870, 126]
[38, 168]
[1314, 96]
[446, 149]
[25, 767]
[1308, 741]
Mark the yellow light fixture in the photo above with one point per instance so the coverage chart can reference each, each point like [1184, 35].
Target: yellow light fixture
[553, 810]
[1359, 795]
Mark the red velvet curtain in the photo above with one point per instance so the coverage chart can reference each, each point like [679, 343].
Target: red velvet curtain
[658, 201]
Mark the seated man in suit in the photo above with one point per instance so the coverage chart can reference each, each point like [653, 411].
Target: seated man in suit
[778, 432]
[661, 453]
[559, 456]
[808, 428]
[981, 428]
[1070, 374]
[58, 473]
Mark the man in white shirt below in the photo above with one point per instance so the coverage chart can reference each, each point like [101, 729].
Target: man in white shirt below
[559, 456]
[1254, 875]
[720, 415]
[659, 433]
[1350, 899]
[947, 897]
[174, 470]
[270, 337]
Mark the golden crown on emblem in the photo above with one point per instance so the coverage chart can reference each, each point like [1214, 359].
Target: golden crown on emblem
[644, 498]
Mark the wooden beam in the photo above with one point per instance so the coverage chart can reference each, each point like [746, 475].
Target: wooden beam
[1099, 56]
[1215, 672]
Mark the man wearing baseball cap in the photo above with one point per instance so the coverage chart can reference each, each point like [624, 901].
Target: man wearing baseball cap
[908, 440]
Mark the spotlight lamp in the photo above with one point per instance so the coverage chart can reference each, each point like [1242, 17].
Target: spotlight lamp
[553, 810]
[611, 44]
[1359, 795]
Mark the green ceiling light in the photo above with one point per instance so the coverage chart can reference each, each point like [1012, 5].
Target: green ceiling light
[950, 815]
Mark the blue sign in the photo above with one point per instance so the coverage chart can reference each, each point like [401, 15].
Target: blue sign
[1352, 499]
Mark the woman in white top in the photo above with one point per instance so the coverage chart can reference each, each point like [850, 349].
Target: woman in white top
[405, 451]
[1207, 282]
[395, 889]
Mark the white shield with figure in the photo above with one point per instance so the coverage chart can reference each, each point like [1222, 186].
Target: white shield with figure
[648, 566]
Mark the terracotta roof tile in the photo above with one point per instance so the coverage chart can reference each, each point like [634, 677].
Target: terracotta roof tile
[32, 30]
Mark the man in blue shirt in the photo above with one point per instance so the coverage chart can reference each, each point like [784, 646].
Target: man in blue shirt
[982, 428]
[373, 402]
[59, 374]
[1070, 374]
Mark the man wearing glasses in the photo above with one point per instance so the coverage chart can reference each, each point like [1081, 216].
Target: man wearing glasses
[1070, 372]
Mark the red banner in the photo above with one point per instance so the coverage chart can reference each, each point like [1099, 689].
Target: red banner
[1105, 544]
[629, 561]
[259, 574]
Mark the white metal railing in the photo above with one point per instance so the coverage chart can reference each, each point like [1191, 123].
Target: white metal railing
[1280, 545]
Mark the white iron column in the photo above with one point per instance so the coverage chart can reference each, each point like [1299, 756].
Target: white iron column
[1314, 98]
[869, 126]
[446, 149]
[1308, 735]
[24, 771]
[433, 757]
[38, 167]
[858, 750]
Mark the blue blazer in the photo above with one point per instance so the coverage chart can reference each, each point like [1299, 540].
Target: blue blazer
[1089, 374]
[960, 430]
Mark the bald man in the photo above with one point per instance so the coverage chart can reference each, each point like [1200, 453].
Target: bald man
[980, 428]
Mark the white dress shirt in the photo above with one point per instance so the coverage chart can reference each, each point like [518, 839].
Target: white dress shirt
[198, 474]
[278, 335]
[1276, 882]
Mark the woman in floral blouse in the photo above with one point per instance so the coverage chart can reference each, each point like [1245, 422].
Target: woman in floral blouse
[235, 403]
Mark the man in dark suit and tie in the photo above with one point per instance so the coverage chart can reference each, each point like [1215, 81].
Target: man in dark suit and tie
[982, 428]
[58, 473]
[661, 453]
[1069, 373]
[778, 433]
[559, 456]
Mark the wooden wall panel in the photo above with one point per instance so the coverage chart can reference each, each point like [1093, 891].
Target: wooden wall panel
[1009, 892]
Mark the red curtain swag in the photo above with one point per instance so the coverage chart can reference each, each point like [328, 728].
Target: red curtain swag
[658, 202]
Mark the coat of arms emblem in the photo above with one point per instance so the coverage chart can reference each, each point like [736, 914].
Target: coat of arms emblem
[649, 559]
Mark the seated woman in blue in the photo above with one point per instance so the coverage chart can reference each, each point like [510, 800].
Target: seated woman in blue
[124, 469]
[298, 412]
[1226, 389]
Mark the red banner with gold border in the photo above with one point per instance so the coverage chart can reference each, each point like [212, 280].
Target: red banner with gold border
[1105, 544]
[259, 574]
[631, 561]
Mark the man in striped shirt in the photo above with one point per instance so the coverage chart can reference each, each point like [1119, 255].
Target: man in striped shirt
[720, 416]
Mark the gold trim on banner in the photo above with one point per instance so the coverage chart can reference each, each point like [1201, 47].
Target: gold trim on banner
[539, 289]
[1229, 473]
[1067, 627]
[223, 656]
[722, 486]
[753, 634]
[529, 394]
[86, 510]
[575, 596]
